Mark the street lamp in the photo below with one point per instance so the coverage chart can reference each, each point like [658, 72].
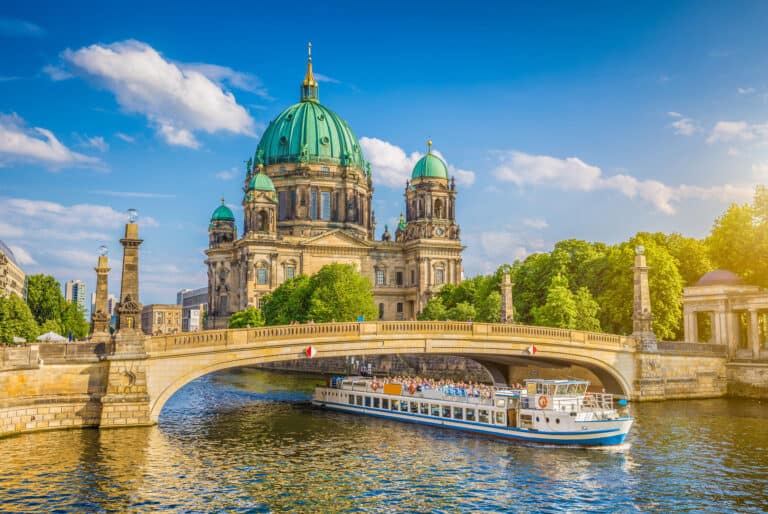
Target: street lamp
[103, 250]
[133, 214]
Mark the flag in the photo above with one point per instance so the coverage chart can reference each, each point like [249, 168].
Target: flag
[532, 350]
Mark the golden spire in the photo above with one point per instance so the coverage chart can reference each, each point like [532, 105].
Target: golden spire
[309, 80]
[429, 145]
[222, 200]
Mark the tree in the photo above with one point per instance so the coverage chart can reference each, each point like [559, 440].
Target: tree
[691, 257]
[586, 311]
[434, 310]
[247, 318]
[16, 320]
[489, 308]
[73, 320]
[340, 293]
[289, 302]
[559, 310]
[614, 289]
[462, 311]
[44, 298]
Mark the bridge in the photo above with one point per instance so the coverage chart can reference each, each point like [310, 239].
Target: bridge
[127, 381]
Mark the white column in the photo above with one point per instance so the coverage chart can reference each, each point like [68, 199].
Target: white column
[754, 333]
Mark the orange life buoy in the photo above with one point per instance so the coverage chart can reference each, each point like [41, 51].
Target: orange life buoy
[543, 401]
[412, 388]
[374, 386]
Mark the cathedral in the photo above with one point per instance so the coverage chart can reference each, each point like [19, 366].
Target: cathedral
[307, 202]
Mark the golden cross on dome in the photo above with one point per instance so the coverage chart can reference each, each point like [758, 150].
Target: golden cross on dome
[429, 145]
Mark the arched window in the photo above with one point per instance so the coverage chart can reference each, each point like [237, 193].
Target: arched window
[439, 209]
[263, 221]
[381, 311]
[262, 273]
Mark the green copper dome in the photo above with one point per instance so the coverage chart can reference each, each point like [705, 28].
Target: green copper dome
[430, 166]
[222, 213]
[309, 132]
[261, 182]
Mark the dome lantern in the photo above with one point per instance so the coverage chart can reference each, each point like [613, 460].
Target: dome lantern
[309, 89]
[223, 213]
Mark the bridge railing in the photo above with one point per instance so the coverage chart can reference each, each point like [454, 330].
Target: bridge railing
[692, 348]
[265, 334]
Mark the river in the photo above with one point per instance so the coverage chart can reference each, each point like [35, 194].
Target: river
[247, 441]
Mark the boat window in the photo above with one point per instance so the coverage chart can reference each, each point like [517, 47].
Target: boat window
[375, 403]
[415, 407]
[573, 389]
[435, 410]
[458, 413]
[501, 403]
[446, 411]
[424, 408]
[482, 416]
[359, 400]
[557, 420]
[403, 406]
[583, 388]
[385, 403]
[500, 418]
[562, 390]
[470, 414]
[539, 388]
[395, 405]
[551, 389]
[367, 401]
[351, 399]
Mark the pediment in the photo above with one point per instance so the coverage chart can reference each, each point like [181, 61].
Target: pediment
[336, 238]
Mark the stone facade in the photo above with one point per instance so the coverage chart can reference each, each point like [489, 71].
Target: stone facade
[12, 278]
[160, 318]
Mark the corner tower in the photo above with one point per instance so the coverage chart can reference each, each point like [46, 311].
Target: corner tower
[321, 179]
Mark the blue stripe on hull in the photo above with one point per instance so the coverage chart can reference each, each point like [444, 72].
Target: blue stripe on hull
[510, 434]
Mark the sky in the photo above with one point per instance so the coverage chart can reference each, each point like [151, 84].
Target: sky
[588, 120]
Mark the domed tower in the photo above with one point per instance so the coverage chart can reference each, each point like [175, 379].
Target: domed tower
[260, 207]
[221, 229]
[319, 173]
[430, 200]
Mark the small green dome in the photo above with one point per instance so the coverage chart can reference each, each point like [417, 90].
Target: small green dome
[430, 166]
[222, 213]
[308, 132]
[261, 182]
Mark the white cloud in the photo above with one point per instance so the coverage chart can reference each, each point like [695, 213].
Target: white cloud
[178, 100]
[226, 174]
[15, 27]
[96, 142]
[573, 174]
[760, 171]
[682, 125]
[325, 78]
[57, 73]
[733, 152]
[737, 131]
[125, 137]
[499, 246]
[391, 166]
[222, 75]
[21, 143]
[745, 90]
[537, 223]
[22, 256]
[8, 231]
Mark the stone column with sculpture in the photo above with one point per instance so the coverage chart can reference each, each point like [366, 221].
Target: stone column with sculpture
[642, 316]
[507, 308]
[128, 336]
[100, 315]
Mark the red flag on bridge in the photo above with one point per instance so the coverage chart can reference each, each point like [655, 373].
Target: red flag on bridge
[532, 350]
[310, 351]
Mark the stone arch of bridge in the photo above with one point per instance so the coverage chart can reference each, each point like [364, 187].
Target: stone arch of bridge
[189, 367]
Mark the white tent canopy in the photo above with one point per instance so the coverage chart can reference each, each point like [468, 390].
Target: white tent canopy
[51, 336]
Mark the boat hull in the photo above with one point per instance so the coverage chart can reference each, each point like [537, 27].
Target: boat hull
[605, 433]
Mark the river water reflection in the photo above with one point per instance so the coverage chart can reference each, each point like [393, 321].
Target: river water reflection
[247, 441]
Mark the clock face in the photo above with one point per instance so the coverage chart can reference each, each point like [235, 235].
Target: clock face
[439, 231]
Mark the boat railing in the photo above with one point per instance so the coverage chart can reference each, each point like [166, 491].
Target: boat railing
[599, 402]
[427, 394]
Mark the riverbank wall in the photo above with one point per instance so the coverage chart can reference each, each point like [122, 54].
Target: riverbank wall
[748, 380]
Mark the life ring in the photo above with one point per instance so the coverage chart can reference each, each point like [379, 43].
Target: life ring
[543, 401]
[374, 386]
[412, 388]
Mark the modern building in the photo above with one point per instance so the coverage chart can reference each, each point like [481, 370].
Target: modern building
[180, 295]
[12, 279]
[111, 302]
[194, 306]
[75, 291]
[308, 202]
[721, 309]
[159, 318]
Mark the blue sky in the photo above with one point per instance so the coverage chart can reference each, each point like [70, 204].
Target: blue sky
[585, 120]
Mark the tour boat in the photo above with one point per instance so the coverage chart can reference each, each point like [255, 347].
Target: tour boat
[559, 412]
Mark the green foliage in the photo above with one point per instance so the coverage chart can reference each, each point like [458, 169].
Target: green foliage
[335, 293]
[586, 311]
[247, 318]
[289, 302]
[51, 325]
[739, 239]
[340, 293]
[462, 311]
[16, 320]
[434, 310]
[559, 310]
[44, 298]
[73, 320]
